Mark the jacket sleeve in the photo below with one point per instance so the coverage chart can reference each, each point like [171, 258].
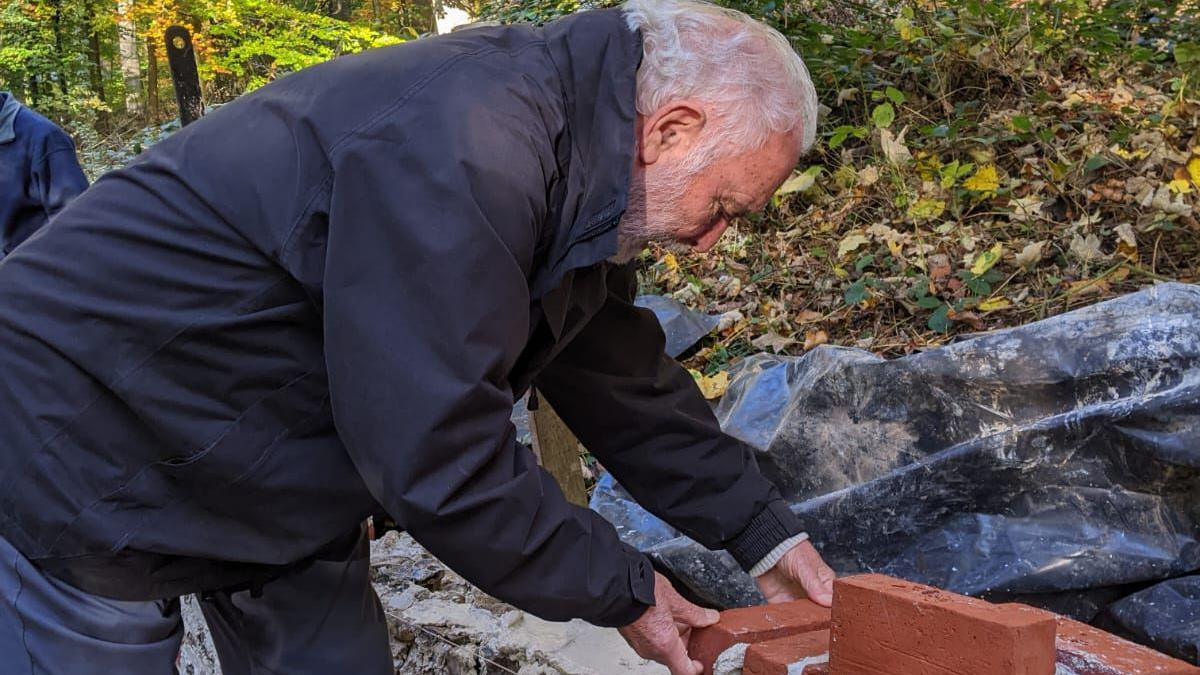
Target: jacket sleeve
[642, 415]
[426, 309]
[58, 175]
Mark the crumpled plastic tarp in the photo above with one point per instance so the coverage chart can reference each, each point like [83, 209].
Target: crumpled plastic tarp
[1057, 463]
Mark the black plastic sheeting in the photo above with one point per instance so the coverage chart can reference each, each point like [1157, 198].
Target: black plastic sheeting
[1056, 464]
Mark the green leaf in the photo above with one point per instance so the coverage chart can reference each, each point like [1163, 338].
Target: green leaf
[978, 286]
[894, 95]
[864, 262]
[1095, 162]
[929, 302]
[940, 320]
[856, 293]
[840, 135]
[883, 115]
[1022, 124]
[1187, 52]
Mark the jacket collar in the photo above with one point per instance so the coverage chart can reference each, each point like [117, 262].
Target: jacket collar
[9, 107]
[597, 58]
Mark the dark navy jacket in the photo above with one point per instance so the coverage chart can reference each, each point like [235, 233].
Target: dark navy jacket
[38, 172]
[323, 298]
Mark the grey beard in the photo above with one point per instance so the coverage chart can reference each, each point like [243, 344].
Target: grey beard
[628, 248]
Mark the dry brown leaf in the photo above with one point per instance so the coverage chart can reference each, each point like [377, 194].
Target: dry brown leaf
[773, 341]
[1030, 255]
[812, 338]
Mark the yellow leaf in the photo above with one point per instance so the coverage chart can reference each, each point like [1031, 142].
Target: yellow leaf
[985, 180]
[1180, 186]
[895, 247]
[926, 209]
[670, 263]
[1141, 153]
[840, 272]
[994, 304]
[1193, 167]
[850, 243]
[711, 386]
[800, 182]
[987, 260]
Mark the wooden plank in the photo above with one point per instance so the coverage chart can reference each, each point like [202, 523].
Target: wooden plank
[557, 449]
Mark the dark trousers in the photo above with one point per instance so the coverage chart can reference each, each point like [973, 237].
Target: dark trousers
[324, 618]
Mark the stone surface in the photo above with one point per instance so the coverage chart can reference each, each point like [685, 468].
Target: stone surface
[802, 654]
[885, 625]
[1090, 651]
[755, 624]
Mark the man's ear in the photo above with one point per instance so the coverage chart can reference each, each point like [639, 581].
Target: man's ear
[672, 130]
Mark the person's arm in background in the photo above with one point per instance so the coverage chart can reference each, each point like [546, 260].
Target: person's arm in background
[57, 173]
[642, 415]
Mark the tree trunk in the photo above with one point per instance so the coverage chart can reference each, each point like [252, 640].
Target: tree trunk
[96, 71]
[59, 56]
[339, 9]
[95, 63]
[152, 77]
[131, 69]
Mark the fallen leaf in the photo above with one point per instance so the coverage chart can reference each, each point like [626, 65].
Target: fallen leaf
[868, 176]
[851, 242]
[1193, 168]
[1088, 287]
[1180, 186]
[711, 386]
[970, 318]
[773, 341]
[670, 263]
[994, 304]
[729, 319]
[893, 147]
[986, 180]
[1030, 255]
[987, 260]
[1025, 209]
[807, 316]
[1126, 241]
[800, 182]
[813, 338]
[926, 209]
[1086, 248]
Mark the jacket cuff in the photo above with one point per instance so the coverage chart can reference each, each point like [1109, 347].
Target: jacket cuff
[771, 527]
[641, 588]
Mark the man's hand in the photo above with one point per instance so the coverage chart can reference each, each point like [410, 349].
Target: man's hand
[661, 634]
[800, 573]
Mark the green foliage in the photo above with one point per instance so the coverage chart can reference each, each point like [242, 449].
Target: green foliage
[256, 41]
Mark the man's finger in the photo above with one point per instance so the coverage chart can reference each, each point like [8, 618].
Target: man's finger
[693, 615]
[675, 657]
[814, 575]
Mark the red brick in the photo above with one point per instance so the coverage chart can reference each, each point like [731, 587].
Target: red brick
[885, 625]
[755, 624]
[775, 657]
[1091, 651]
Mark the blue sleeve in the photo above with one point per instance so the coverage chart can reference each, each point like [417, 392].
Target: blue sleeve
[58, 176]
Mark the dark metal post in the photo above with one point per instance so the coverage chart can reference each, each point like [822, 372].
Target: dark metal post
[182, 59]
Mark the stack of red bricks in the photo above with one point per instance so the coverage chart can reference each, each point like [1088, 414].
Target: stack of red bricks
[885, 626]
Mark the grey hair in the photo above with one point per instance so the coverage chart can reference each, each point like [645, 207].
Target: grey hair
[757, 84]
